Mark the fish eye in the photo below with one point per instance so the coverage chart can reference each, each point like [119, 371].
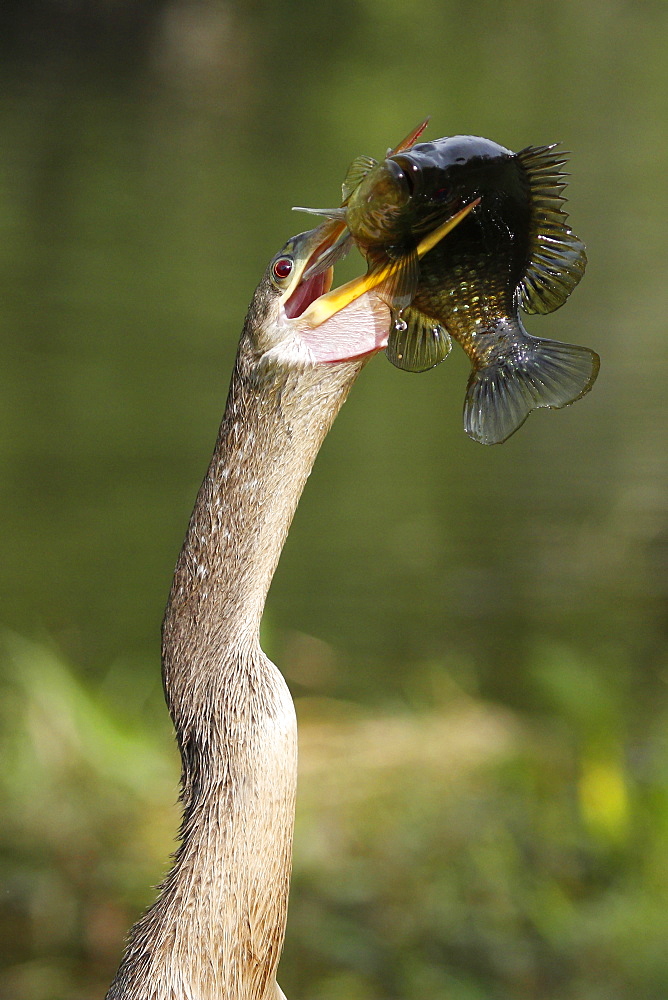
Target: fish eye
[282, 268]
[410, 183]
[410, 173]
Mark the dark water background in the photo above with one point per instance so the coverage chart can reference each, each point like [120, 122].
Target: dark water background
[149, 157]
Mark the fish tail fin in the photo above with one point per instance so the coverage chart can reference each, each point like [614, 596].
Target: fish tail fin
[535, 373]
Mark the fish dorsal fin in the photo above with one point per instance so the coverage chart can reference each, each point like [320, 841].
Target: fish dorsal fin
[357, 171]
[557, 258]
[416, 342]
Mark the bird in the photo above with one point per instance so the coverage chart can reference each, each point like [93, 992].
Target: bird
[217, 927]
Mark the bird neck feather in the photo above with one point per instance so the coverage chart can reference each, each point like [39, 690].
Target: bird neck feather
[217, 927]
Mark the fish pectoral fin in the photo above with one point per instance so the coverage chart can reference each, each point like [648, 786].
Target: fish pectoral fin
[538, 373]
[357, 171]
[557, 258]
[400, 269]
[417, 342]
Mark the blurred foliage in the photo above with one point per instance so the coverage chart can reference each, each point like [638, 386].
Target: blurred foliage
[476, 637]
[460, 850]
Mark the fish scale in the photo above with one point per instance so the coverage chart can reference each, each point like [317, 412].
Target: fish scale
[468, 310]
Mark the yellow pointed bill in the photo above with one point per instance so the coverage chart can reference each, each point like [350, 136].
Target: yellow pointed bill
[337, 299]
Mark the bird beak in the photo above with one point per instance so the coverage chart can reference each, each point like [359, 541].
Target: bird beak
[326, 303]
[308, 248]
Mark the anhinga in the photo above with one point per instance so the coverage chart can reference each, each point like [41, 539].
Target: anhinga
[216, 930]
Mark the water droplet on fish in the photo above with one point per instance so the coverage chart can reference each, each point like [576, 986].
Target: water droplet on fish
[400, 325]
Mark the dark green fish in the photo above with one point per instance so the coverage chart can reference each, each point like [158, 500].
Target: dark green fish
[513, 249]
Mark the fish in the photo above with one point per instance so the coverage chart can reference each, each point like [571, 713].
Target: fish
[509, 249]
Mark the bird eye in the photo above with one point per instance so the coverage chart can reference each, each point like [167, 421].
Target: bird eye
[282, 268]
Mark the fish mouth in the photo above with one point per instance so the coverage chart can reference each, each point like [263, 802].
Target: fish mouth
[312, 298]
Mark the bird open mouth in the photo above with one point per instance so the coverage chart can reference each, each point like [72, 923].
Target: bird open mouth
[314, 300]
[307, 292]
[313, 286]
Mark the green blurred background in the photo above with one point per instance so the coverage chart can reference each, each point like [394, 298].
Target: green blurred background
[475, 638]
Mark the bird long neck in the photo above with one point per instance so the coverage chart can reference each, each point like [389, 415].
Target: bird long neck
[217, 928]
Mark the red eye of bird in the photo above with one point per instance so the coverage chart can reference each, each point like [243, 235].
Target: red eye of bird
[282, 268]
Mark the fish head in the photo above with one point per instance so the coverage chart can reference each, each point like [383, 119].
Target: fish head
[415, 190]
[378, 203]
[448, 173]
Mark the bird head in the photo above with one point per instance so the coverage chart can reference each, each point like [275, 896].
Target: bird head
[297, 318]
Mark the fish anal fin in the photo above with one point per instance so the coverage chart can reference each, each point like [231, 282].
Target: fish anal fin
[557, 258]
[357, 171]
[417, 342]
[534, 374]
